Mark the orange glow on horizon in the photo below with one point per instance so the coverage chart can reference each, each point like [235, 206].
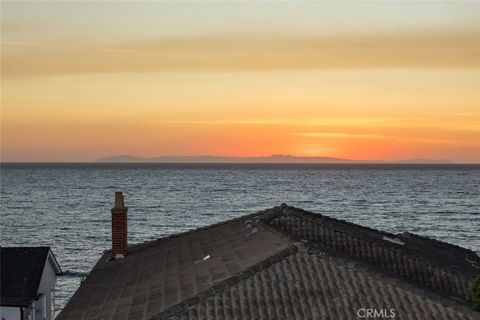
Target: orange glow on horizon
[304, 87]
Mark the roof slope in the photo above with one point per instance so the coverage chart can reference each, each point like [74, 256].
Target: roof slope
[281, 263]
[21, 272]
[157, 275]
[306, 286]
[434, 264]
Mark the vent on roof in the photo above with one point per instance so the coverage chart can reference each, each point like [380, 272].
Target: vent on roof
[394, 240]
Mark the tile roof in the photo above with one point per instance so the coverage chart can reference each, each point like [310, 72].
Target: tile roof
[21, 272]
[281, 263]
[306, 286]
[440, 266]
[157, 275]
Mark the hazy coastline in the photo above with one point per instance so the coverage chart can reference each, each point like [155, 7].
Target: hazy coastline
[262, 159]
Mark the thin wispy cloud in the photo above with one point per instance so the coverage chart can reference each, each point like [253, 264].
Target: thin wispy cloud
[345, 135]
[227, 53]
[337, 135]
[22, 44]
[326, 121]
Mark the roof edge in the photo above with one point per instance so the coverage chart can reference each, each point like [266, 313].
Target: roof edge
[53, 260]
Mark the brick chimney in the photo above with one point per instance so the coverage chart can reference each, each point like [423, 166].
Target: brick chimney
[119, 228]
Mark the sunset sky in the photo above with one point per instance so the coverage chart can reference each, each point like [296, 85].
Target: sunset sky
[357, 80]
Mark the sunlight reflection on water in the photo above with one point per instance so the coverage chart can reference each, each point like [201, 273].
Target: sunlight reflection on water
[67, 206]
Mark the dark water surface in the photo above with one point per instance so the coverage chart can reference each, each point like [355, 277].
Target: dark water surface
[67, 206]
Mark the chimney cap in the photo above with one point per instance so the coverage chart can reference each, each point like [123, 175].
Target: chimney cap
[119, 204]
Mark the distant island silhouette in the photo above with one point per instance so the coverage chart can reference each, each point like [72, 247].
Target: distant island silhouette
[276, 158]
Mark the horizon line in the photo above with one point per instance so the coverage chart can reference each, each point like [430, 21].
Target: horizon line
[366, 162]
[223, 159]
[346, 164]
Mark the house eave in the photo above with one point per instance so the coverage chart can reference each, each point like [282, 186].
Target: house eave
[16, 301]
[53, 261]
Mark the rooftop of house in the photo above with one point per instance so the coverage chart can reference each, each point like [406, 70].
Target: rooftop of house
[21, 273]
[281, 263]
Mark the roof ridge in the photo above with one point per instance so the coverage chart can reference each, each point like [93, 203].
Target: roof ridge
[377, 231]
[285, 210]
[439, 242]
[148, 243]
[302, 213]
[226, 283]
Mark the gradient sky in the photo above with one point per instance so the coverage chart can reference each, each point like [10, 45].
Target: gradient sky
[358, 80]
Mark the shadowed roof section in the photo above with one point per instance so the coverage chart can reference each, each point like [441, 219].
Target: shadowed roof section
[281, 263]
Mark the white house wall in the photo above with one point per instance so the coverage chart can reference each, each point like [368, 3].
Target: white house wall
[46, 284]
[10, 313]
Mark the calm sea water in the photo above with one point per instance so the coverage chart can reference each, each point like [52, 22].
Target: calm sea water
[67, 206]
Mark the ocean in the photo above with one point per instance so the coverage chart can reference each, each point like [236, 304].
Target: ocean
[67, 206]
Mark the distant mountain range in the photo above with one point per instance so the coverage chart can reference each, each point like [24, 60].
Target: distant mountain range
[276, 158]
